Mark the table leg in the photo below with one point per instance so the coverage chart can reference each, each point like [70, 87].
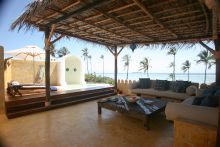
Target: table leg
[99, 109]
[147, 122]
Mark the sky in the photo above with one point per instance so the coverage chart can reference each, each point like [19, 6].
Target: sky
[159, 60]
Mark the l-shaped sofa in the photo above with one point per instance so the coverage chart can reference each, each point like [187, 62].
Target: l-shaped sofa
[180, 104]
[167, 92]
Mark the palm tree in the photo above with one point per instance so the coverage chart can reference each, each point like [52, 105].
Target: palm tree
[126, 59]
[63, 51]
[207, 59]
[144, 65]
[186, 66]
[90, 60]
[85, 57]
[172, 75]
[173, 52]
[52, 50]
[102, 57]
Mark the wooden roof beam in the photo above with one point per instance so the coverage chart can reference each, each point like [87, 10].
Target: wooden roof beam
[101, 21]
[179, 14]
[206, 17]
[116, 27]
[89, 6]
[187, 23]
[153, 18]
[140, 22]
[129, 13]
[184, 19]
[124, 24]
[56, 13]
[184, 39]
[79, 37]
[135, 18]
[94, 16]
[121, 8]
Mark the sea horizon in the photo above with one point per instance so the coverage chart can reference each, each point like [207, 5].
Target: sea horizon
[193, 77]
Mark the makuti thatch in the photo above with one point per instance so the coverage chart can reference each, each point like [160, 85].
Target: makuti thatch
[121, 22]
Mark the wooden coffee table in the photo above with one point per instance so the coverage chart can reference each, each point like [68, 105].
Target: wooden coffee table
[143, 109]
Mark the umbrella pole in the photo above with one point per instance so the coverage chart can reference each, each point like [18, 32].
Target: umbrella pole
[33, 70]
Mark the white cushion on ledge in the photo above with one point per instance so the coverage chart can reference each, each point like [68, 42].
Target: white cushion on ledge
[208, 115]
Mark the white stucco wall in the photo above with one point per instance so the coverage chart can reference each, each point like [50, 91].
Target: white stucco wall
[70, 70]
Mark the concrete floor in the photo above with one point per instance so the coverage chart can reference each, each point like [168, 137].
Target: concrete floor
[80, 125]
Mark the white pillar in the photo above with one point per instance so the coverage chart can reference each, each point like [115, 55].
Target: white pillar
[2, 83]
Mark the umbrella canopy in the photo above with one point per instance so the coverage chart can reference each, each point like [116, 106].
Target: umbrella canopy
[29, 52]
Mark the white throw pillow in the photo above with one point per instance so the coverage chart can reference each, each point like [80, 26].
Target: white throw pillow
[191, 90]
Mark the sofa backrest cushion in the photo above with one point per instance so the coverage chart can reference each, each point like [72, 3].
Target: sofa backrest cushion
[161, 85]
[197, 100]
[210, 101]
[214, 91]
[180, 86]
[144, 83]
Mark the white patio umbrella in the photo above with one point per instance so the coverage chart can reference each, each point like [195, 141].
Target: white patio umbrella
[30, 52]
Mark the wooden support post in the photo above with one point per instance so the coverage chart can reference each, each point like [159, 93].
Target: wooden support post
[2, 83]
[116, 67]
[47, 66]
[217, 72]
[115, 52]
[217, 49]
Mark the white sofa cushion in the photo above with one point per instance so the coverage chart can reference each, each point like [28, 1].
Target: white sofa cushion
[185, 110]
[162, 94]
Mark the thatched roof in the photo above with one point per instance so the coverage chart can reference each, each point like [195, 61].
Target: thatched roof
[120, 22]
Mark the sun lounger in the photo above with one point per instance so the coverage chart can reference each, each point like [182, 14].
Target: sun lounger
[14, 87]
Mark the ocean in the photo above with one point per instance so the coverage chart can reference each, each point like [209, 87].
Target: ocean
[193, 77]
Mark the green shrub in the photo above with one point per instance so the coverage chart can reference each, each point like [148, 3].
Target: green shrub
[92, 78]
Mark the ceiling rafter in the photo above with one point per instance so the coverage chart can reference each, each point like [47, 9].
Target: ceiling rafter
[191, 39]
[121, 8]
[87, 7]
[136, 18]
[179, 14]
[124, 24]
[129, 13]
[184, 19]
[77, 36]
[56, 13]
[153, 17]
[206, 17]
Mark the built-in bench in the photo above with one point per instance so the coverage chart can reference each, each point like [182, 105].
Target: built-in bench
[155, 89]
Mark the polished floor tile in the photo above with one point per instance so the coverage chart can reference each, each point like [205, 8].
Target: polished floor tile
[80, 126]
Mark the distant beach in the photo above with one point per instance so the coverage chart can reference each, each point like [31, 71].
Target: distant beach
[194, 77]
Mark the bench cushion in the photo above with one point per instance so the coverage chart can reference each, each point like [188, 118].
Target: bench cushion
[162, 94]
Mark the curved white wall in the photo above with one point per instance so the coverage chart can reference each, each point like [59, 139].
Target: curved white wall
[70, 71]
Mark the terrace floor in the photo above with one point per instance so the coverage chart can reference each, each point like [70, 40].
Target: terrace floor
[80, 125]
